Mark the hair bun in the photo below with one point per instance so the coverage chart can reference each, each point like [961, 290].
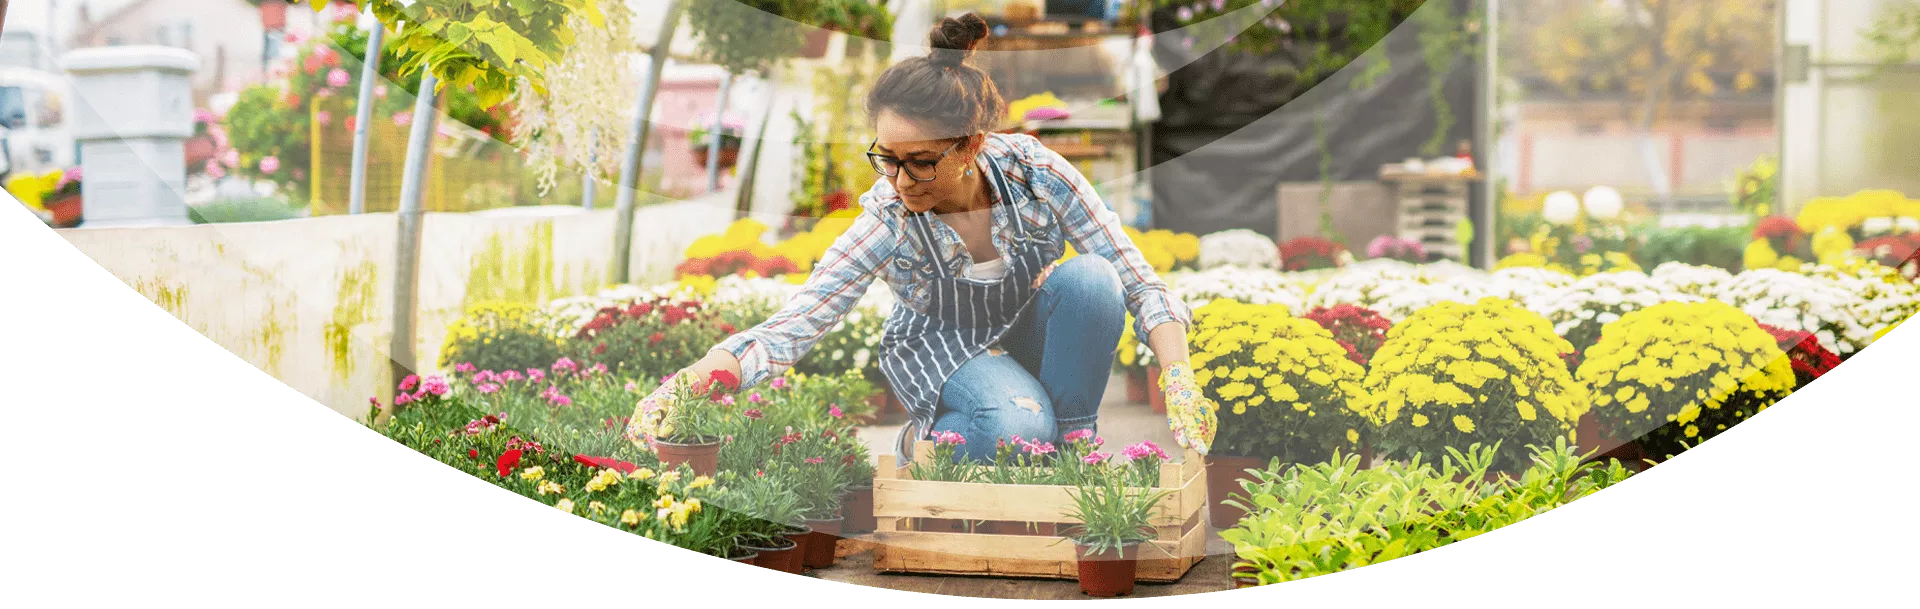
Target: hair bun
[954, 39]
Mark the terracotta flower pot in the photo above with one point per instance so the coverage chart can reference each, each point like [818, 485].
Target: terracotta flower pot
[820, 544]
[1108, 573]
[729, 156]
[273, 15]
[778, 553]
[704, 457]
[742, 555]
[65, 210]
[1224, 474]
[856, 510]
[199, 150]
[1156, 397]
[1138, 388]
[817, 41]
[800, 536]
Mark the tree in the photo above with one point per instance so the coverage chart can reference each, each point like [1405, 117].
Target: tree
[1896, 34]
[1648, 54]
[493, 46]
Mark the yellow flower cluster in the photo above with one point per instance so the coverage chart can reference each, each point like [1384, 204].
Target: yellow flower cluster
[607, 478]
[806, 249]
[1760, 255]
[1165, 249]
[674, 511]
[743, 235]
[1283, 383]
[1853, 210]
[1133, 354]
[1590, 264]
[1701, 366]
[479, 317]
[32, 190]
[1491, 371]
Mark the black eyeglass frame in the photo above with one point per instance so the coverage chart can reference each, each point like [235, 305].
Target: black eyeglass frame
[874, 159]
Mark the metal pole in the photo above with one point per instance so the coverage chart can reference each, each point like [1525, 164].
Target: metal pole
[749, 173]
[588, 181]
[363, 114]
[406, 284]
[637, 145]
[713, 133]
[1485, 233]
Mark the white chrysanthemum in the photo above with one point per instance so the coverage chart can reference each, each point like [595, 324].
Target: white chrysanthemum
[1260, 286]
[1883, 297]
[1241, 247]
[1702, 281]
[1521, 283]
[1579, 311]
[1792, 301]
[736, 289]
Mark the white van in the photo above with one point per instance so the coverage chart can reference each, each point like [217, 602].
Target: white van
[34, 113]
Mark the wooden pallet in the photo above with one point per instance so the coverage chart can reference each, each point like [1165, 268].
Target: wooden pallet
[905, 542]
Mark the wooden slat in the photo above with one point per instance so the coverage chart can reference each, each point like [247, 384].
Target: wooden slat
[1021, 556]
[1020, 503]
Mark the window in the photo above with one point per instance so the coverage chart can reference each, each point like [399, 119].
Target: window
[13, 108]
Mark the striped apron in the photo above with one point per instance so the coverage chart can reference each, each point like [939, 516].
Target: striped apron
[964, 318]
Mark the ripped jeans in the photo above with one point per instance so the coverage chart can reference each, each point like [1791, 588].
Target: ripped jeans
[1050, 377]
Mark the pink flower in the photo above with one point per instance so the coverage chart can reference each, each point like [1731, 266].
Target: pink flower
[535, 375]
[560, 400]
[486, 388]
[632, 387]
[779, 383]
[565, 365]
[755, 398]
[485, 376]
[949, 437]
[1094, 457]
[435, 385]
[380, 91]
[338, 78]
[407, 384]
[215, 170]
[755, 414]
[374, 401]
[463, 368]
[816, 460]
[598, 369]
[323, 117]
[511, 375]
[1039, 448]
[203, 115]
[403, 118]
[835, 411]
[270, 165]
[402, 399]
[727, 399]
[1078, 435]
[230, 158]
[1143, 449]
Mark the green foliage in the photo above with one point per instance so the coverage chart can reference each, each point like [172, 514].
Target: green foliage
[1112, 514]
[261, 209]
[1721, 247]
[1313, 520]
[1895, 35]
[501, 338]
[748, 35]
[492, 46]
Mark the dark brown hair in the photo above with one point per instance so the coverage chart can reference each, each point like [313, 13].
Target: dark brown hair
[943, 89]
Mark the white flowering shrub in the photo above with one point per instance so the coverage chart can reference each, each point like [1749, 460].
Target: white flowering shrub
[1792, 301]
[1702, 281]
[1579, 310]
[1257, 286]
[1240, 247]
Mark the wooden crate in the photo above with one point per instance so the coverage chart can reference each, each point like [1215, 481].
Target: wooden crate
[902, 543]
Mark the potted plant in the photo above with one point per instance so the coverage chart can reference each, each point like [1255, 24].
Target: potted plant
[767, 507]
[700, 140]
[64, 200]
[1114, 520]
[815, 462]
[1663, 408]
[1292, 393]
[685, 429]
[857, 506]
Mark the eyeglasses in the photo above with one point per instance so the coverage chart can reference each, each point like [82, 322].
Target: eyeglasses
[916, 168]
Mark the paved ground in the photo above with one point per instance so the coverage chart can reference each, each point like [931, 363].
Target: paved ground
[1121, 423]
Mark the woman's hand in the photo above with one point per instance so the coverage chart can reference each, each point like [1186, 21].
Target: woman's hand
[651, 411]
[1190, 414]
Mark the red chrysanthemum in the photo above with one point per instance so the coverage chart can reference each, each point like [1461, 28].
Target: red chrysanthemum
[656, 338]
[1810, 359]
[1362, 330]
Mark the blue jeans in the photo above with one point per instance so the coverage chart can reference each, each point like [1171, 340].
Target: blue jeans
[1050, 377]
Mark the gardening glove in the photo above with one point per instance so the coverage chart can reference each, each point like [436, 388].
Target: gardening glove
[652, 410]
[1189, 413]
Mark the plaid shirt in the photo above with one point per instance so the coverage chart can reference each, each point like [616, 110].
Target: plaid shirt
[879, 244]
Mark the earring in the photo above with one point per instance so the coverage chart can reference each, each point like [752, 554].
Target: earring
[969, 172]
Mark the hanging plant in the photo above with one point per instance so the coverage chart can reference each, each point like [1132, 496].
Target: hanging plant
[579, 121]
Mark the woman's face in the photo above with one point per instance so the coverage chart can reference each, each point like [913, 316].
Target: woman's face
[909, 141]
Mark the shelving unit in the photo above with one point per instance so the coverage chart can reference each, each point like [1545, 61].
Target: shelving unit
[1085, 63]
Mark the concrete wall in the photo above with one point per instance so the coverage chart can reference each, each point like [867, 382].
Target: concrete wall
[1695, 164]
[310, 301]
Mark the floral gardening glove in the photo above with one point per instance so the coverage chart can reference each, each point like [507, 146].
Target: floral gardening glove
[652, 411]
[1189, 413]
